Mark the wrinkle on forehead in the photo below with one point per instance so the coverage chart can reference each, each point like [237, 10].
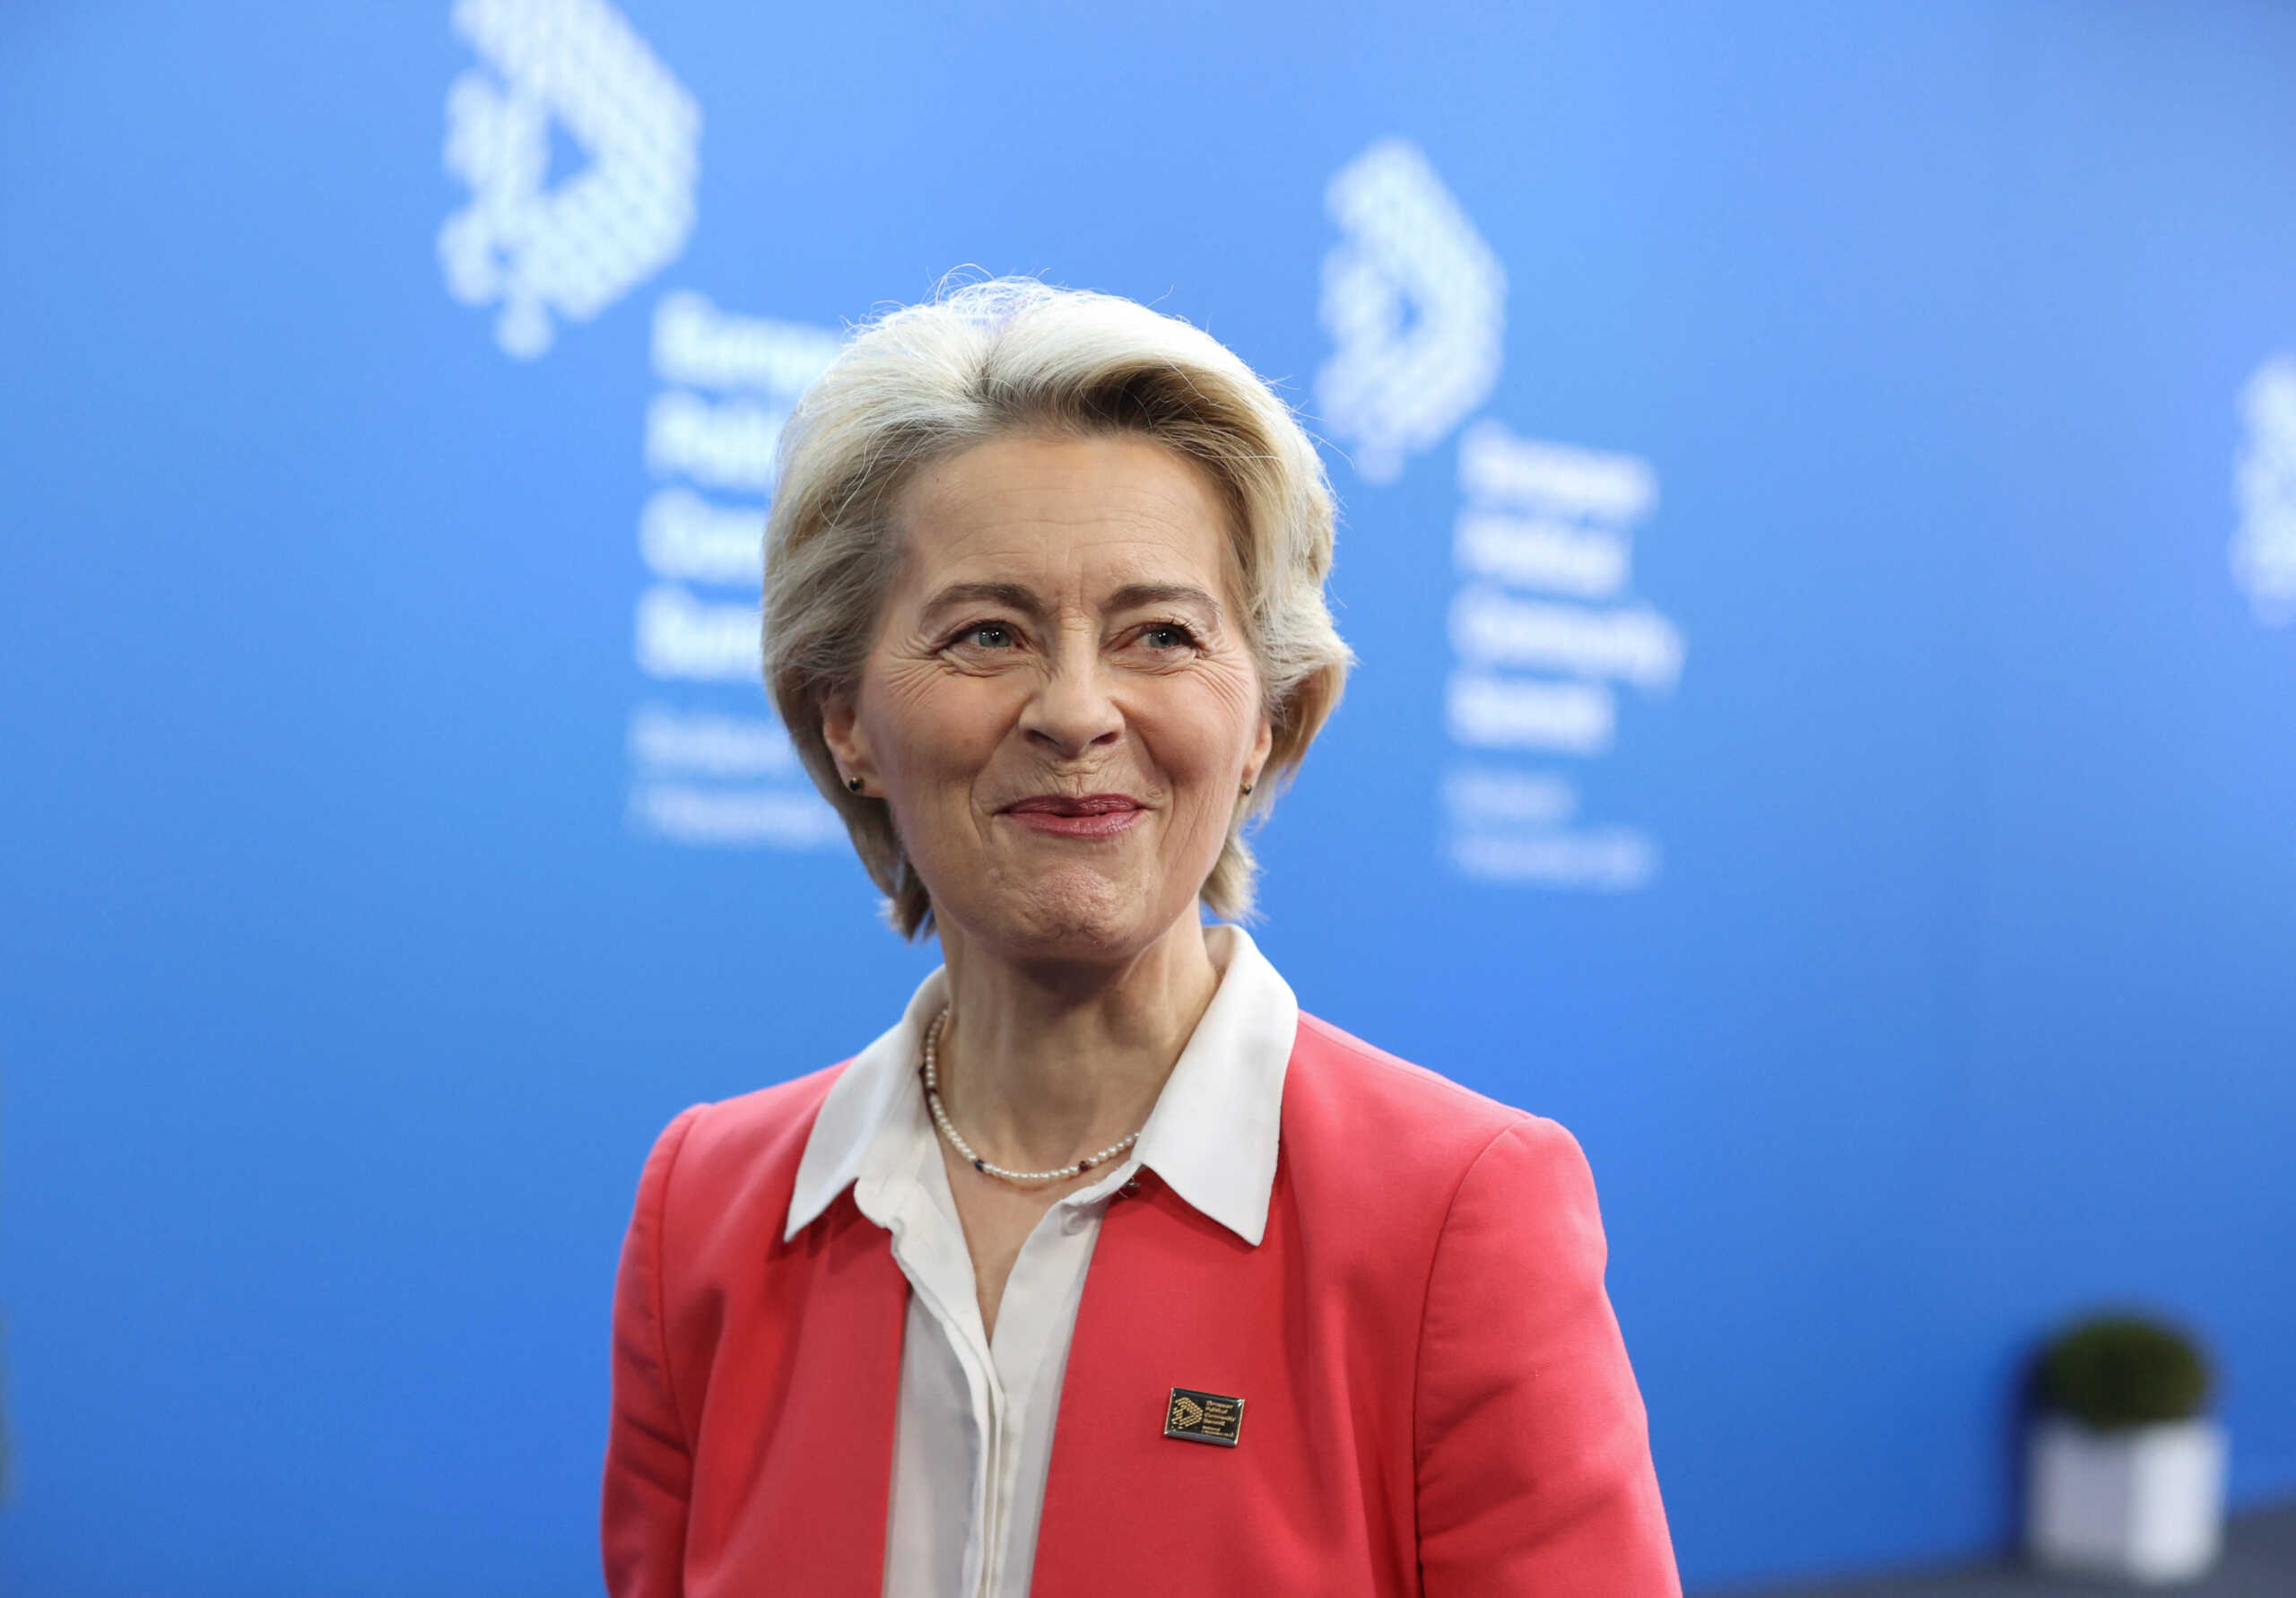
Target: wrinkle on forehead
[1055, 505]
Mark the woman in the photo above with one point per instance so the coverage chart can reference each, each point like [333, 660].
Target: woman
[1106, 1269]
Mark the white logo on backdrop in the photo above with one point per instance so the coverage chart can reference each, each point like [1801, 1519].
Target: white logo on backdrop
[707, 764]
[576, 248]
[1415, 302]
[2264, 547]
[1545, 635]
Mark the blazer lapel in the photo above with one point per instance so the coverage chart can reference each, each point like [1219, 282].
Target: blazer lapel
[824, 1477]
[1171, 1300]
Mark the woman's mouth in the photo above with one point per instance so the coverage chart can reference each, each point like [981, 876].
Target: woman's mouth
[1094, 815]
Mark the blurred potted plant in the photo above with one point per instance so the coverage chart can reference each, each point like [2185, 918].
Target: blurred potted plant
[2128, 1470]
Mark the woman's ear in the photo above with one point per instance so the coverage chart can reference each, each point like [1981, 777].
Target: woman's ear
[847, 746]
[1263, 745]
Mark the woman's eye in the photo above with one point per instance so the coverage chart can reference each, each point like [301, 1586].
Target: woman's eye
[1167, 634]
[989, 635]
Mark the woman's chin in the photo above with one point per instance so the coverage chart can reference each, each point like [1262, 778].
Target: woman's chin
[1070, 914]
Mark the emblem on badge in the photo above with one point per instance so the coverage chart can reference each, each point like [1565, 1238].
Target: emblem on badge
[1203, 1417]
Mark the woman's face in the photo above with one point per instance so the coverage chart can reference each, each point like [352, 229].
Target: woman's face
[1059, 704]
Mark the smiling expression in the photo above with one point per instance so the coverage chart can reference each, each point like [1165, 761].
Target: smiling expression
[1059, 704]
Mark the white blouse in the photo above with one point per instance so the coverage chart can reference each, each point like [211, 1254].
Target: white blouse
[974, 1428]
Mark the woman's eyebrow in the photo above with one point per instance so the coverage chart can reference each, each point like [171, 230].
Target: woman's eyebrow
[1134, 596]
[1018, 597]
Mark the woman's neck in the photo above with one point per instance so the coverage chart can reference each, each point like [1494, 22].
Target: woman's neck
[1042, 1062]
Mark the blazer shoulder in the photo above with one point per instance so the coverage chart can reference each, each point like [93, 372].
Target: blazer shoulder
[759, 1136]
[1355, 1088]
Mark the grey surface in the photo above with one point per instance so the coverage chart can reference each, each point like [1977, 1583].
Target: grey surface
[2259, 1562]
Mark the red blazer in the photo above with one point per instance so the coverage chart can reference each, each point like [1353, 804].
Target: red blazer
[1436, 1397]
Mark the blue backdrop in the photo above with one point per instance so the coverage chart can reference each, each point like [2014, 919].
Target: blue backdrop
[1820, 532]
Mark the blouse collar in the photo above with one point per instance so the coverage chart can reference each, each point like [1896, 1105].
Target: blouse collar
[1212, 1137]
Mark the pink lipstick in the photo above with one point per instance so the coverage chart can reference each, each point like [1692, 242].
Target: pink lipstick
[1095, 816]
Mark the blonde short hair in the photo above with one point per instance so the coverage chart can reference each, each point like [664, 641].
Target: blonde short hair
[1015, 356]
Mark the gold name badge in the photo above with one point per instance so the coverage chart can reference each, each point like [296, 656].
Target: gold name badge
[1203, 1417]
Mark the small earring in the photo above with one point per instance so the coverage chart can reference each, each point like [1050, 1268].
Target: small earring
[1248, 788]
[853, 784]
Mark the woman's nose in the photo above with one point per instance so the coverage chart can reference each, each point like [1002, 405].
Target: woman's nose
[1072, 709]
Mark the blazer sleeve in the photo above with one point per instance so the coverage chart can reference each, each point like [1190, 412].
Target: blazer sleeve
[1533, 1451]
[650, 1465]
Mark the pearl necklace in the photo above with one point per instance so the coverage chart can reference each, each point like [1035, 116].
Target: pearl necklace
[956, 1142]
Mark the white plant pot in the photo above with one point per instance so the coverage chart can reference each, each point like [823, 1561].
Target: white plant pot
[2145, 1505]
